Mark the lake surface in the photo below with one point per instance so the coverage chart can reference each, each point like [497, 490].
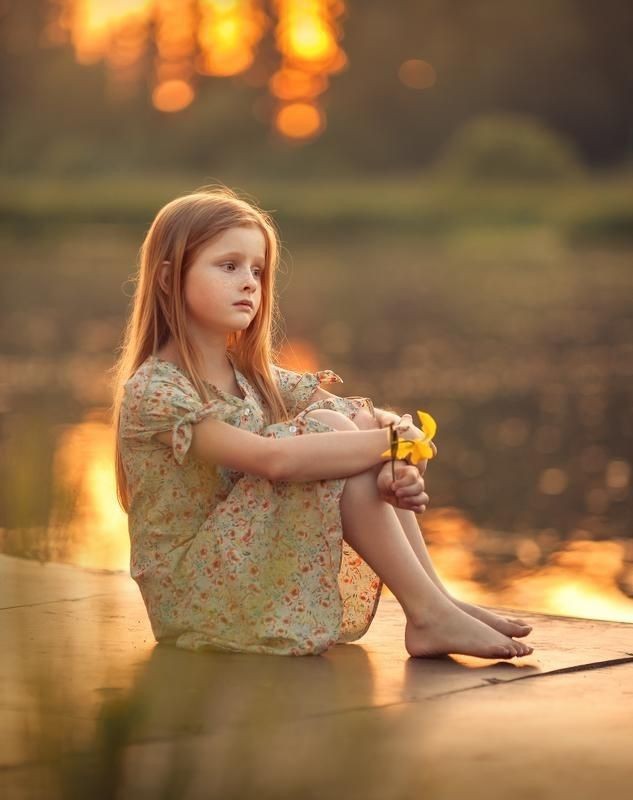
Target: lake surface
[520, 347]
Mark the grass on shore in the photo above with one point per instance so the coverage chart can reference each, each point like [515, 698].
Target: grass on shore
[595, 209]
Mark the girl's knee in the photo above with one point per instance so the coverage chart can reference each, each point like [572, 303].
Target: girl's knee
[333, 418]
[365, 420]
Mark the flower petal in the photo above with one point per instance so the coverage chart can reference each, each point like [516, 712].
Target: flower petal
[429, 426]
[423, 450]
[404, 448]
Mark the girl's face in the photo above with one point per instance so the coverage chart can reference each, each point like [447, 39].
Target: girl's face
[226, 271]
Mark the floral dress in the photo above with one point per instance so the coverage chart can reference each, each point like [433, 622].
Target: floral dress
[227, 560]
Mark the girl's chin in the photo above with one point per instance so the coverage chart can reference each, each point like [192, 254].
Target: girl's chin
[238, 327]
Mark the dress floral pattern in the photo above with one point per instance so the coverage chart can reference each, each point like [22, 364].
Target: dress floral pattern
[231, 561]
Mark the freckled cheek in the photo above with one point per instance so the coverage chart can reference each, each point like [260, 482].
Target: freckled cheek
[203, 300]
[209, 290]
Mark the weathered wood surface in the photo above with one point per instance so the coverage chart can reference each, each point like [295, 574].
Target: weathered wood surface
[363, 720]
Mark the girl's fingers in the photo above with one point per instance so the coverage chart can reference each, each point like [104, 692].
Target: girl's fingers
[417, 500]
[409, 489]
[418, 509]
[411, 476]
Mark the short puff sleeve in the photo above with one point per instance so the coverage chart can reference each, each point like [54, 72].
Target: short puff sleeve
[161, 404]
[297, 388]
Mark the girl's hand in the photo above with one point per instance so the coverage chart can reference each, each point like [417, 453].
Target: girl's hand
[408, 430]
[408, 491]
[385, 417]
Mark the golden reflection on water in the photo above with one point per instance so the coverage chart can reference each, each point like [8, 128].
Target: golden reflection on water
[580, 581]
[90, 524]
[579, 577]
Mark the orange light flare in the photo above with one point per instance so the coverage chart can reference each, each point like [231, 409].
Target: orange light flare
[172, 95]
[300, 356]
[128, 44]
[295, 84]
[175, 32]
[580, 579]
[91, 24]
[307, 37]
[417, 74]
[210, 37]
[300, 120]
[228, 34]
[87, 526]
[307, 31]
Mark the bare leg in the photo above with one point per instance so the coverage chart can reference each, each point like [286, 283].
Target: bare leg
[508, 625]
[435, 626]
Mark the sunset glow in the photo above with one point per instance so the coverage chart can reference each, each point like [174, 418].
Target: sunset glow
[579, 578]
[194, 39]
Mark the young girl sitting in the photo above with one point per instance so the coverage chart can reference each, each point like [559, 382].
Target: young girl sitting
[248, 532]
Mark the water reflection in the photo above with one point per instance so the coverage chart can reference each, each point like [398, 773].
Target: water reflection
[542, 572]
[90, 529]
[519, 346]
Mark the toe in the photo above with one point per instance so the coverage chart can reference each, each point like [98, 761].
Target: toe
[520, 622]
[519, 628]
[514, 648]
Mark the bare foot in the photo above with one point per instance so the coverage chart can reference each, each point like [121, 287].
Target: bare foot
[451, 630]
[508, 625]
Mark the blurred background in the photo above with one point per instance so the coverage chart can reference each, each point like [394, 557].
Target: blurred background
[453, 182]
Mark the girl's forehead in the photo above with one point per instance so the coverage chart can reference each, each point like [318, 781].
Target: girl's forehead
[249, 239]
[242, 235]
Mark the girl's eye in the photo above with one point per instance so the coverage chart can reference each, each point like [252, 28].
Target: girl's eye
[258, 270]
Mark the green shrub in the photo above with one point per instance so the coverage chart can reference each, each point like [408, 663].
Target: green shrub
[508, 147]
[609, 225]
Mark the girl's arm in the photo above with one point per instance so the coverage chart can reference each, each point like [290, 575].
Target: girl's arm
[331, 454]
[383, 417]
[335, 454]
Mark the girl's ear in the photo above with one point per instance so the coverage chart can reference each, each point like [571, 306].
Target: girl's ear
[164, 275]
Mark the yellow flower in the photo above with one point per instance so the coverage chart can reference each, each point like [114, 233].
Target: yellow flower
[419, 448]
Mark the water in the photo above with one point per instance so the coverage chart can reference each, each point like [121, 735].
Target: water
[520, 346]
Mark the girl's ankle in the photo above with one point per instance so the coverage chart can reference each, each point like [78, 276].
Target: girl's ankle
[430, 614]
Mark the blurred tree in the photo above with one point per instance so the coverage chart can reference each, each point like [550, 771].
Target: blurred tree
[566, 62]
[508, 147]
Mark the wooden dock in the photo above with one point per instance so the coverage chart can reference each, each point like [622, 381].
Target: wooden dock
[90, 706]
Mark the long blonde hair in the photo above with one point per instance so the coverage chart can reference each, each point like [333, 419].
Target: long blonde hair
[180, 229]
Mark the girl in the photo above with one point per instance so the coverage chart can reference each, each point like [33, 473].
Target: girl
[249, 533]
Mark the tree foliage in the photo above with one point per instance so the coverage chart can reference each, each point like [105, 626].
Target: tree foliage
[567, 63]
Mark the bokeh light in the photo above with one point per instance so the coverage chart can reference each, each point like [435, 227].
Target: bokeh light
[194, 39]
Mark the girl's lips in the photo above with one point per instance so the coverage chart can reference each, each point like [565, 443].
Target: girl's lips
[243, 305]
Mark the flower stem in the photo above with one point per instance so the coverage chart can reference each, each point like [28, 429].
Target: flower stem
[393, 434]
